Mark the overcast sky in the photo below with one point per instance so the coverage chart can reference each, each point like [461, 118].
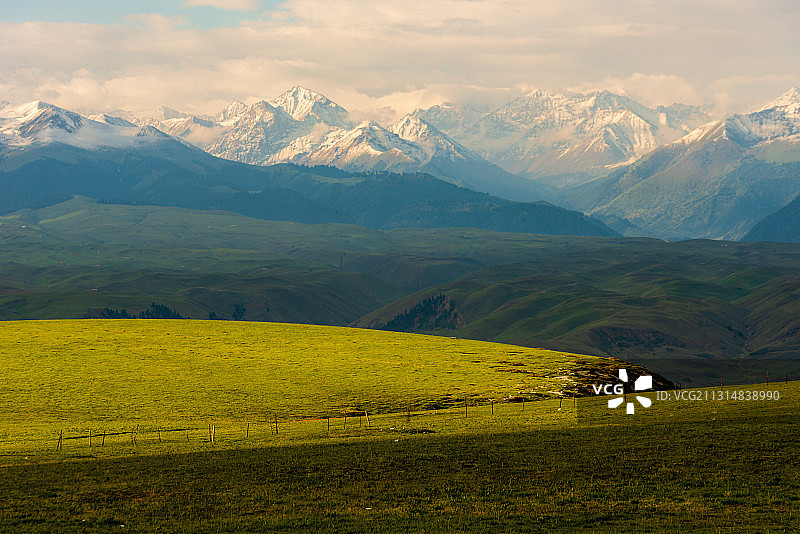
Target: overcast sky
[387, 58]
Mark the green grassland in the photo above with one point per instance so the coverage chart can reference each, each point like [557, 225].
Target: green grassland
[694, 311]
[553, 465]
[80, 376]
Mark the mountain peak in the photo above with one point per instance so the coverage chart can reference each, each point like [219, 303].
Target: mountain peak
[538, 92]
[233, 110]
[541, 94]
[301, 103]
[412, 128]
[31, 108]
[789, 99]
[112, 120]
[36, 117]
[164, 113]
[367, 124]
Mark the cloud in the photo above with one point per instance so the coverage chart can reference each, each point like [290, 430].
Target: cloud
[227, 5]
[383, 59]
[651, 89]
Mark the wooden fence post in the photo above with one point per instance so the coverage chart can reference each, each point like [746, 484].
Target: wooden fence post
[103, 443]
[367, 415]
[492, 406]
[247, 435]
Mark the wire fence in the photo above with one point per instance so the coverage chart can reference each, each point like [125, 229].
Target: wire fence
[349, 424]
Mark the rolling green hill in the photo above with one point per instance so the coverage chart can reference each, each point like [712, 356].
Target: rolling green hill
[182, 416]
[683, 308]
[72, 374]
[694, 311]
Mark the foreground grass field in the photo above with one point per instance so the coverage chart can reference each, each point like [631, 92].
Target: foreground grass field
[79, 377]
[558, 465]
[691, 468]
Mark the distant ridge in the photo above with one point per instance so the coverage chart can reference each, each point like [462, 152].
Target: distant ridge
[57, 154]
[715, 182]
[781, 226]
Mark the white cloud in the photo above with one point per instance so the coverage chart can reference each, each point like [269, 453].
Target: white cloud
[651, 89]
[227, 5]
[386, 59]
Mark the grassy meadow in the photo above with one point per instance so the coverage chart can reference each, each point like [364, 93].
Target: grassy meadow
[420, 463]
[80, 376]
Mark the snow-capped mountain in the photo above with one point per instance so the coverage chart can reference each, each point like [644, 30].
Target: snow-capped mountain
[40, 122]
[252, 134]
[306, 128]
[305, 105]
[50, 155]
[565, 140]
[367, 147]
[716, 181]
[451, 118]
[771, 125]
[112, 120]
[255, 133]
[638, 168]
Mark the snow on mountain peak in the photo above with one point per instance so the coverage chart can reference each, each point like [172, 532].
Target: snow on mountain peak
[790, 101]
[164, 113]
[34, 118]
[261, 107]
[112, 120]
[411, 128]
[28, 110]
[300, 103]
[368, 124]
[231, 112]
[42, 123]
[542, 94]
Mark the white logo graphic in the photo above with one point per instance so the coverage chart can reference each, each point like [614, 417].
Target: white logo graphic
[642, 383]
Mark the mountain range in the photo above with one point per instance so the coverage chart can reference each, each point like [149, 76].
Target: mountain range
[49, 154]
[565, 140]
[665, 171]
[306, 128]
[717, 181]
[662, 171]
